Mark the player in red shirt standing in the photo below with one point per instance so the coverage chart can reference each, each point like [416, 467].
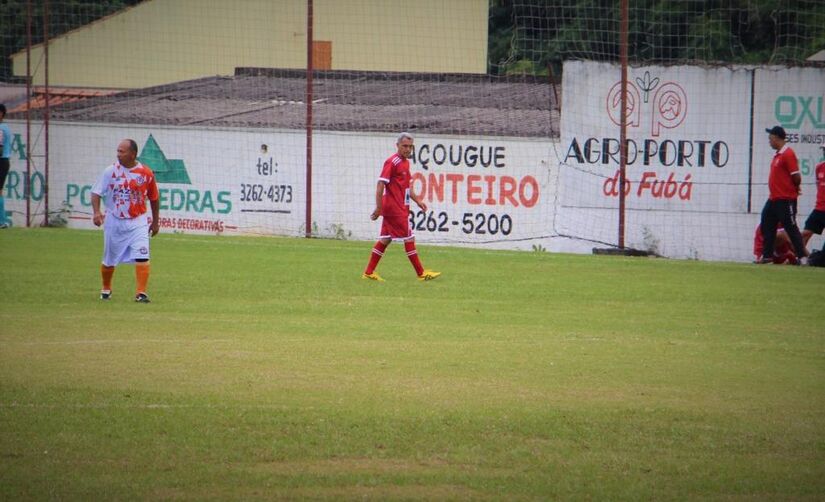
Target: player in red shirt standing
[816, 221]
[784, 187]
[392, 201]
[125, 186]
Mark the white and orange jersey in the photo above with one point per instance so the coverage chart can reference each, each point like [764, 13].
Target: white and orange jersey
[126, 190]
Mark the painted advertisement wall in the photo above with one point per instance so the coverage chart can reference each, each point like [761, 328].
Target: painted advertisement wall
[696, 178]
[793, 98]
[251, 182]
[697, 156]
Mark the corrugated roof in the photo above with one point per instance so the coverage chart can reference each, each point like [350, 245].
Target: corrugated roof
[58, 96]
[346, 101]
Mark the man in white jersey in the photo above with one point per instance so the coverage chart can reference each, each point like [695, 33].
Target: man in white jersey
[125, 186]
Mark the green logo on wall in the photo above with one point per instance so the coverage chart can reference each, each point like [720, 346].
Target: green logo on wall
[166, 170]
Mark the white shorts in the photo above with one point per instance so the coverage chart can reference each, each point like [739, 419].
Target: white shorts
[124, 240]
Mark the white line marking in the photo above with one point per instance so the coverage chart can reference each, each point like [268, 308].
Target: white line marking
[133, 340]
[152, 406]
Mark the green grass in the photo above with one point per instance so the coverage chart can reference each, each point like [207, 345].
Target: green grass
[267, 369]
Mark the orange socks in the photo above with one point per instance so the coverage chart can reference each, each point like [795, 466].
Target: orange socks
[106, 273]
[141, 275]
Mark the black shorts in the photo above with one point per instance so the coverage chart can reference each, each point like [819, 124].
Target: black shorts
[4, 171]
[815, 222]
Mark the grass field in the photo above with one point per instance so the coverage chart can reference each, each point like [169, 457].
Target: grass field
[267, 369]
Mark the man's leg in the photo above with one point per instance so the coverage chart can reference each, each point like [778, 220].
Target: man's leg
[412, 255]
[141, 276]
[4, 171]
[813, 225]
[138, 252]
[3, 221]
[376, 255]
[106, 274]
[111, 255]
[788, 218]
[768, 225]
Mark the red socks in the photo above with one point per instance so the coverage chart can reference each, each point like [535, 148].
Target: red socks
[378, 252]
[375, 257]
[412, 254]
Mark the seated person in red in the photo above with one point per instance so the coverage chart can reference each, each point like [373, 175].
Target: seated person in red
[782, 248]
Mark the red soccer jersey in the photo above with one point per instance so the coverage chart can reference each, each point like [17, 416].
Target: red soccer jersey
[820, 187]
[396, 175]
[780, 183]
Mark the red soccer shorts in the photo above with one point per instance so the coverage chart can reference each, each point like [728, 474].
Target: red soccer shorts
[395, 227]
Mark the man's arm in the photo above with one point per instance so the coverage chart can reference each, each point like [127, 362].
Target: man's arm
[155, 228]
[5, 134]
[793, 169]
[379, 195]
[418, 201]
[97, 216]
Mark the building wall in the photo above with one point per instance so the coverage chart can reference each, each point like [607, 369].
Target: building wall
[683, 200]
[505, 193]
[163, 41]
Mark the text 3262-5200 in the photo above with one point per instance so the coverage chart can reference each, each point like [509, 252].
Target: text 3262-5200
[468, 223]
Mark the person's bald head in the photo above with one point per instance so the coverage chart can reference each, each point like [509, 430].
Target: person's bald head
[127, 152]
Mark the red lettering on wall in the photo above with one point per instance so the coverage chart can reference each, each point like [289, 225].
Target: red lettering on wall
[455, 179]
[488, 190]
[528, 181]
[435, 188]
[473, 190]
[490, 200]
[507, 190]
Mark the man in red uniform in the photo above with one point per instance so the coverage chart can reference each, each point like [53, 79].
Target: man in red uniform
[392, 201]
[782, 251]
[816, 221]
[784, 188]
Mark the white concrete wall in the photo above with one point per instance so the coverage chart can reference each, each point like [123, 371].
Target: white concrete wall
[495, 192]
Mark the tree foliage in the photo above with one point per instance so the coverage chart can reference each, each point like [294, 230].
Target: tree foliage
[527, 36]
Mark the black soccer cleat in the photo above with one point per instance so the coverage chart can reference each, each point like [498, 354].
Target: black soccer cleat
[141, 298]
[105, 294]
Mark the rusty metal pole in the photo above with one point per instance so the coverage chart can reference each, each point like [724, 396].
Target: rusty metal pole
[308, 222]
[623, 122]
[46, 111]
[26, 190]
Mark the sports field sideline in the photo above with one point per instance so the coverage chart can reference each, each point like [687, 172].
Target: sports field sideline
[265, 368]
